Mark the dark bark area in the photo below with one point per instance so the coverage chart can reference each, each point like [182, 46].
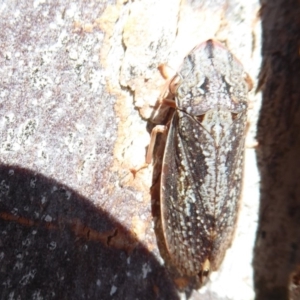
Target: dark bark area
[67, 248]
[277, 251]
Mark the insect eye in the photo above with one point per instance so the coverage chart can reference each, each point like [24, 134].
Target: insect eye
[174, 84]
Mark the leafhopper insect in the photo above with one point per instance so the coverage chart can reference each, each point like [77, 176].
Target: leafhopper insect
[202, 166]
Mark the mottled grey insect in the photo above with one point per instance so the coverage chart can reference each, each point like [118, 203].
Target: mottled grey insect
[203, 159]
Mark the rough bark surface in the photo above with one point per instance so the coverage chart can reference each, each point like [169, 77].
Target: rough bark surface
[78, 82]
[277, 254]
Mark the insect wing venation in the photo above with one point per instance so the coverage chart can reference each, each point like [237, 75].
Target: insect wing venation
[200, 188]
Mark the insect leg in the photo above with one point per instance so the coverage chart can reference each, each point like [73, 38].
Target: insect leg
[166, 71]
[157, 129]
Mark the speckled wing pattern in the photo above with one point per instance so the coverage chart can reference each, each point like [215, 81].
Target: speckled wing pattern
[203, 160]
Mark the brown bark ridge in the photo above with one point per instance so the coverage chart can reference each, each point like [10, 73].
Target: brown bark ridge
[276, 257]
[78, 82]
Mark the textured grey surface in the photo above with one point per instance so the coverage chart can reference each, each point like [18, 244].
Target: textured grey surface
[54, 110]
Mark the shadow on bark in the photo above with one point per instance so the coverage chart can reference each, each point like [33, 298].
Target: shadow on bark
[277, 249]
[54, 244]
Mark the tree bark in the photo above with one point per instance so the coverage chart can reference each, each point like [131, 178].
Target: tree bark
[79, 81]
[278, 236]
